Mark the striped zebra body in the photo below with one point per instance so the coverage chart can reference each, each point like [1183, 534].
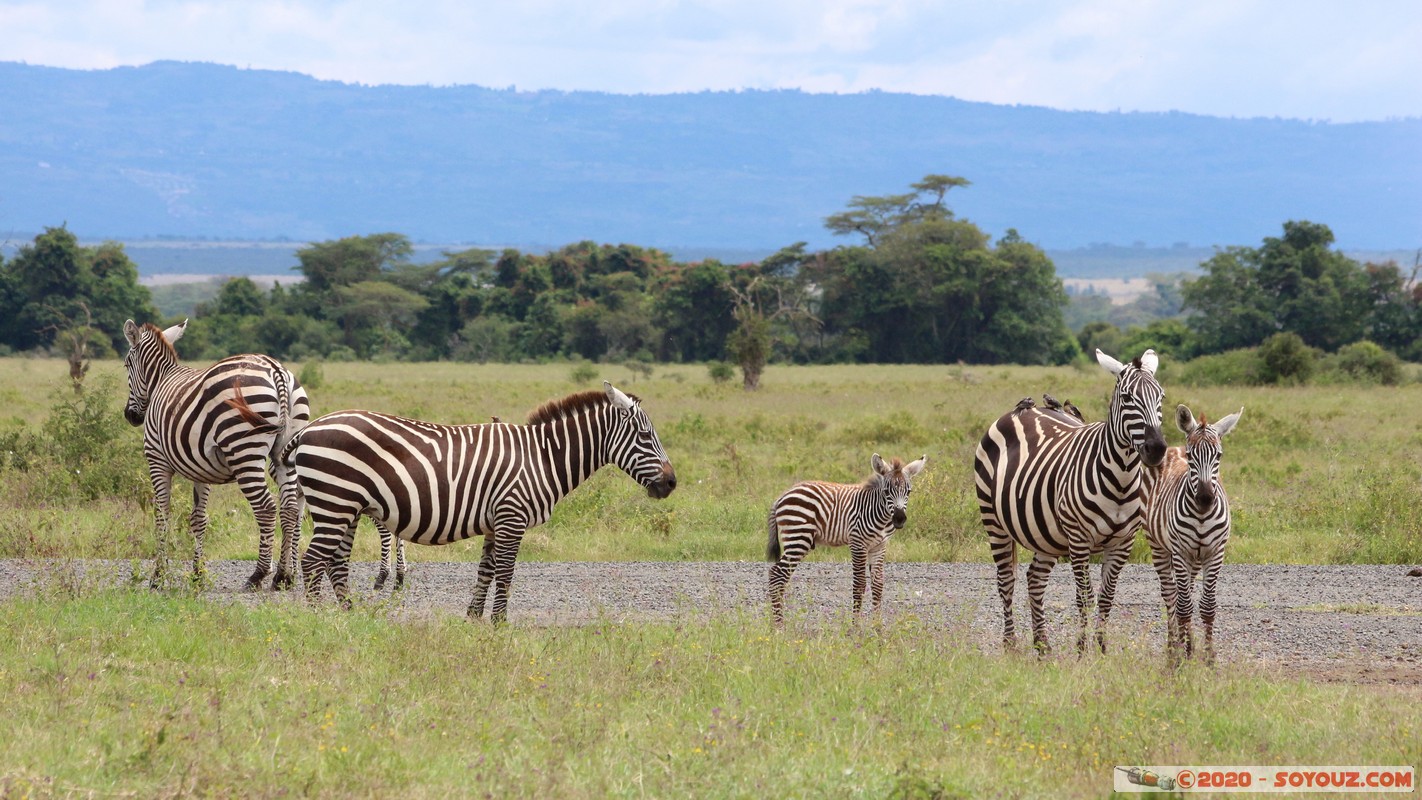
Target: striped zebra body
[436, 484]
[217, 425]
[1188, 525]
[1060, 487]
[863, 516]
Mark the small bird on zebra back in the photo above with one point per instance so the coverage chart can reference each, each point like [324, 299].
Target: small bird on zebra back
[1057, 487]
[435, 484]
[221, 424]
[1188, 526]
[862, 515]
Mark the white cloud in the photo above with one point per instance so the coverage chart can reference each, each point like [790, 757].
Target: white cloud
[1312, 58]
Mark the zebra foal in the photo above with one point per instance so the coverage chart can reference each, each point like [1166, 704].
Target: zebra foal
[1188, 525]
[436, 484]
[862, 516]
[1059, 487]
[217, 425]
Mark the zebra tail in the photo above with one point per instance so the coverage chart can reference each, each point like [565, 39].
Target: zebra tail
[257, 421]
[288, 449]
[772, 547]
[284, 419]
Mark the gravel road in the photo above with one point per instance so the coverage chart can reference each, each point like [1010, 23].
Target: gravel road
[1348, 623]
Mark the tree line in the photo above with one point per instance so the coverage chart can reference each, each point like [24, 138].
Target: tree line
[915, 284]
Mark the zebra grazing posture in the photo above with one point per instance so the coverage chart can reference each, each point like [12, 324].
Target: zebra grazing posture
[862, 516]
[1061, 487]
[1187, 522]
[211, 426]
[435, 484]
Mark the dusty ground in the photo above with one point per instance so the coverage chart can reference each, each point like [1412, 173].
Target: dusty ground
[1350, 623]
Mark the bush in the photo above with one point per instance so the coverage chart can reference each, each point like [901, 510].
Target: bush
[1232, 368]
[1367, 362]
[1285, 359]
[583, 372]
[720, 371]
[312, 376]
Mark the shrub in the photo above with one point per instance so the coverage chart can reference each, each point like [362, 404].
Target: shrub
[583, 372]
[1284, 358]
[312, 376]
[1232, 368]
[1367, 362]
[720, 371]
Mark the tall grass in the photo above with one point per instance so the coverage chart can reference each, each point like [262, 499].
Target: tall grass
[133, 693]
[1315, 475]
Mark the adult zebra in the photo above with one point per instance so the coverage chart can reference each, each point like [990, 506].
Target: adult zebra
[1061, 487]
[435, 484]
[1188, 525]
[212, 426]
[861, 515]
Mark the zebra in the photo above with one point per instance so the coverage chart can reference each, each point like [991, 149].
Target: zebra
[217, 425]
[1188, 524]
[862, 516]
[386, 540]
[1061, 487]
[436, 484]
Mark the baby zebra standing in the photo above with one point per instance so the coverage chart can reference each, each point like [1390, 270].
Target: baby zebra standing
[835, 514]
[1187, 523]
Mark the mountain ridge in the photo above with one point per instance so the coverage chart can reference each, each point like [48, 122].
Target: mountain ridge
[205, 150]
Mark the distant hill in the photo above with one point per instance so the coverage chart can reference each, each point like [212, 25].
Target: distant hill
[200, 150]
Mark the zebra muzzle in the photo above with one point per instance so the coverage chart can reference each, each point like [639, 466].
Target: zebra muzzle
[899, 519]
[133, 415]
[664, 484]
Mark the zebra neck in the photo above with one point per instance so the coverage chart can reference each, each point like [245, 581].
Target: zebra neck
[569, 451]
[871, 511]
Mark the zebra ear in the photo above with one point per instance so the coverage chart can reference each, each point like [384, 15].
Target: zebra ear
[1110, 364]
[130, 332]
[618, 399]
[1150, 361]
[176, 332]
[1185, 419]
[914, 467]
[1227, 424]
[878, 464]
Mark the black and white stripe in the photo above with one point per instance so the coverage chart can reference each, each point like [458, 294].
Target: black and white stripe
[1059, 487]
[1188, 525]
[436, 484]
[863, 516]
[217, 425]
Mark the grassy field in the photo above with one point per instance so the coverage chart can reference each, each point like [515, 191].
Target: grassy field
[1315, 474]
[136, 694]
[130, 693]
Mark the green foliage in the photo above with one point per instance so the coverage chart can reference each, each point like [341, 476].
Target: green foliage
[1231, 368]
[312, 376]
[84, 451]
[1367, 362]
[720, 371]
[1284, 358]
[583, 373]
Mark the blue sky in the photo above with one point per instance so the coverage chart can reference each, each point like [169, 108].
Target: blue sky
[1309, 59]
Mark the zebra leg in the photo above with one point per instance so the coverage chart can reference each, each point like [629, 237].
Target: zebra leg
[1004, 556]
[162, 507]
[326, 538]
[505, 553]
[253, 483]
[341, 567]
[1207, 606]
[1111, 565]
[1037, 573]
[1184, 607]
[1081, 576]
[780, 573]
[486, 577]
[1161, 562]
[859, 560]
[876, 575]
[291, 507]
[385, 537]
[197, 526]
[399, 563]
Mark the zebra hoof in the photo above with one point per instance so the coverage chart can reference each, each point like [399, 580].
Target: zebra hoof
[282, 582]
[399, 582]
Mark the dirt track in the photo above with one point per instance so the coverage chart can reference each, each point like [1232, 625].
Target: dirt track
[1353, 623]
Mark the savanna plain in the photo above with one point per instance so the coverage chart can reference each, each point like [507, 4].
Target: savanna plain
[111, 689]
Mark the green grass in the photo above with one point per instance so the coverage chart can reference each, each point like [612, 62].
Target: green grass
[1315, 474]
[133, 693]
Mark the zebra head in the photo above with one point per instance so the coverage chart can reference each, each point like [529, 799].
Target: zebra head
[1203, 451]
[895, 479]
[632, 445]
[149, 350]
[1135, 405]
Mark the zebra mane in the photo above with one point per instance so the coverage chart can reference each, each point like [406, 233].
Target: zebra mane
[555, 410]
[164, 346]
[896, 465]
